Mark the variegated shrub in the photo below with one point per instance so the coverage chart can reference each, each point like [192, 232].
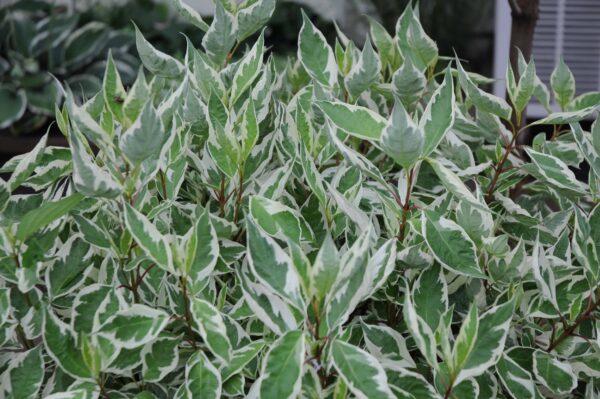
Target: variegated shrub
[345, 223]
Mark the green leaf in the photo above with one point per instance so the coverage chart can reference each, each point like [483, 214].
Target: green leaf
[315, 54]
[208, 322]
[450, 245]
[149, 238]
[590, 153]
[49, 212]
[282, 367]
[362, 373]
[157, 62]
[562, 82]
[555, 375]
[222, 145]
[202, 380]
[438, 116]
[253, 17]
[354, 119]
[135, 326]
[189, 14]
[388, 51]
[276, 219]
[402, 139]
[247, 70]
[221, 36]
[365, 72]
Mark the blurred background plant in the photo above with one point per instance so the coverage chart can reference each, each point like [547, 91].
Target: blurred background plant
[41, 39]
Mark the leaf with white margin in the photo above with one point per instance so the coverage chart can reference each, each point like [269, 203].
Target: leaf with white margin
[587, 147]
[491, 337]
[325, 269]
[465, 341]
[157, 62]
[355, 120]
[209, 323]
[430, 295]
[91, 129]
[381, 265]
[361, 372]
[281, 373]
[149, 238]
[75, 394]
[112, 88]
[450, 245]
[408, 83]
[135, 326]
[419, 330]
[352, 283]
[365, 72]
[248, 69]
[312, 175]
[402, 139]
[61, 344]
[201, 250]
[269, 308]
[543, 274]
[27, 164]
[249, 131]
[222, 144]
[438, 116]
[315, 54]
[189, 14]
[25, 374]
[160, 358]
[482, 100]
[202, 379]
[562, 82]
[354, 158]
[406, 384]
[221, 36]
[388, 346]
[563, 118]
[517, 381]
[240, 358]
[555, 375]
[272, 266]
[555, 172]
[253, 17]
[145, 138]
[276, 219]
[453, 184]
[89, 179]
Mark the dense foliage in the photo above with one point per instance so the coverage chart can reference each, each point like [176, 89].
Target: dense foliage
[352, 223]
